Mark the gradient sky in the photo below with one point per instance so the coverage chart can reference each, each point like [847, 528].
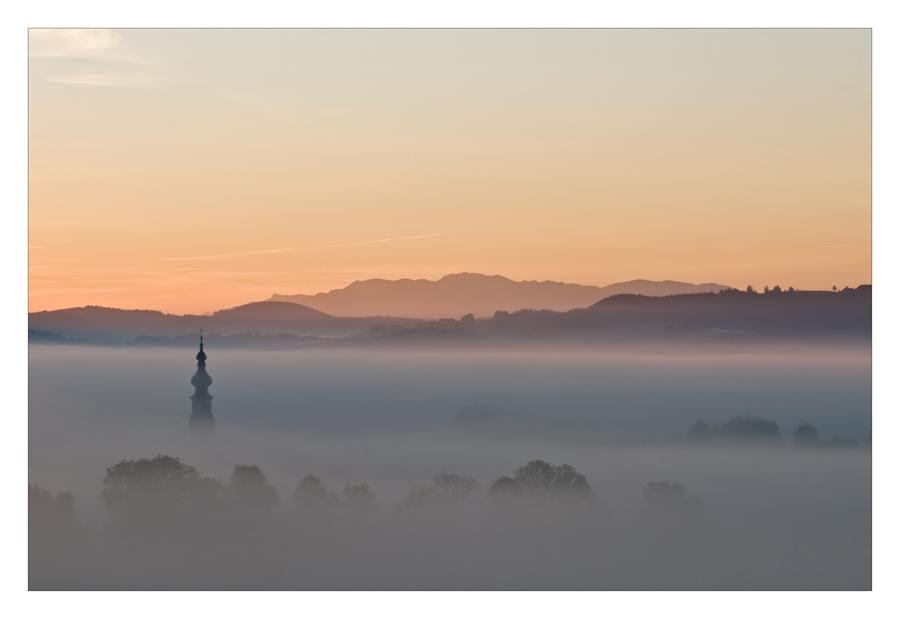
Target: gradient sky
[192, 170]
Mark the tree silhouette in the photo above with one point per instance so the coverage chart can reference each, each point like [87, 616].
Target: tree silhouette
[805, 435]
[310, 492]
[250, 490]
[504, 488]
[52, 526]
[540, 478]
[736, 429]
[418, 497]
[359, 498]
[149, 494]
[571, 482]
[47, 510]
[536, 477]
[455, 487]
[749, 428]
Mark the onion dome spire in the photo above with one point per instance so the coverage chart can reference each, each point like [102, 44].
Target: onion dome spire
[201, 421]
[201, 356]
[201, 380]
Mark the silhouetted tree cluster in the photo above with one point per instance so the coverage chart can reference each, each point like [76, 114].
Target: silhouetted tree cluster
[806, 436]
[541, 479]
[505, 487]
[764, 432]
[51, 518]
[766, 290]
[187, 530]
[45, 508]
[359, 499]
[252, 497]
[455, 487]
[163, 494]
[149, 495]
[446, 487]
[737, 429]
[314, 503]
[310, 493]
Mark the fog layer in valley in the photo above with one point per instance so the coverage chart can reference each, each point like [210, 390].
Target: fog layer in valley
[376, 429]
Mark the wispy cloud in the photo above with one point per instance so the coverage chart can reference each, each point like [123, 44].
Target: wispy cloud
[292, 249]
[399, 238]
[120, 80]
[68, 42]
[238, 253]
[98, 52]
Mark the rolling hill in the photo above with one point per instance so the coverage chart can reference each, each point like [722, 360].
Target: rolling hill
[109, 325]
[458, 294]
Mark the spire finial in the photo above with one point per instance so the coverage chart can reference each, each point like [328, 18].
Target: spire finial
[201, 356]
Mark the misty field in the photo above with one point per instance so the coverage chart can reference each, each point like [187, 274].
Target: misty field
[745, 516]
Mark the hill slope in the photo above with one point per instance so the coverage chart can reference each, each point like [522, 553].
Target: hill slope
[729, 314]
[458, 294]
[104, 324]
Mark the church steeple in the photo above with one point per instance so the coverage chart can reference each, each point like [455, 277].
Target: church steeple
[201, 356]
[201, 421]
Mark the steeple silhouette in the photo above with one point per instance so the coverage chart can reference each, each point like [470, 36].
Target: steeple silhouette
[202, 422]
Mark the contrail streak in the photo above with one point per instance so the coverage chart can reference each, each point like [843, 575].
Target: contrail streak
[399, 238]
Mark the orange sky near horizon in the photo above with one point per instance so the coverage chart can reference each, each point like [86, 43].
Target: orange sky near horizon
[193, 170]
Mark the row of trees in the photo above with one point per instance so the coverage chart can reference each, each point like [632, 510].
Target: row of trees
[750, 429]
[164, 486]
[806, 435]
[767, 290]
[164, 495]
[777, 289]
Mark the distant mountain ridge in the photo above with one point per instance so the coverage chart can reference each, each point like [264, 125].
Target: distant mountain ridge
[727, 316]
[458, 294]
[110, 325]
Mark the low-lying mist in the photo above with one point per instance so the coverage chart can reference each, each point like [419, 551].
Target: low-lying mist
[731, 515]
